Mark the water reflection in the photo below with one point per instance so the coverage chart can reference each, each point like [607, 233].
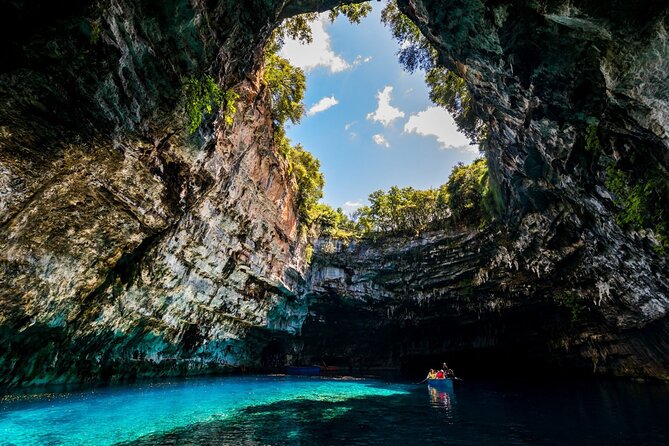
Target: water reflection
[441, 398]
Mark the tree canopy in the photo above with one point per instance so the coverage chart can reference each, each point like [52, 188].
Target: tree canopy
[470, 198]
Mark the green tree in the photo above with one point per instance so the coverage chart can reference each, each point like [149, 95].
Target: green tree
[466, 188]
[298, 27]
[333, 222]
[306, 170]
[354, 13]
[415, 51]
[400, 210]
[449, 90]
[286, 85]
[469, 198]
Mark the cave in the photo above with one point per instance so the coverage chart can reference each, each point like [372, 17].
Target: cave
[136, 248]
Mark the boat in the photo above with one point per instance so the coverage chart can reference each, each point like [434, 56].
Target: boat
[441, 383]
[304, 370]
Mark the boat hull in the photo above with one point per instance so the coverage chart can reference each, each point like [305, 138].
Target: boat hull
[444, 383]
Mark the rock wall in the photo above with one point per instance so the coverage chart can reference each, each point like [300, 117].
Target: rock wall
[152, 258]
[462, 296]
[129, 247]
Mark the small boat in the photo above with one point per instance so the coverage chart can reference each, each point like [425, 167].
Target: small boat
[305, 370]
[441, 383]
[329, 368]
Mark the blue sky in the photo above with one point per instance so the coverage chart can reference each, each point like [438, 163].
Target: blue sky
[370, 123]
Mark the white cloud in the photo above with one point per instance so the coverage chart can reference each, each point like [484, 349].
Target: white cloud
[348, 126]
[351, 206]
[322, 105]
[359, 59]
[385, 113]
[380, 140]
[438, 122]
[318, 53]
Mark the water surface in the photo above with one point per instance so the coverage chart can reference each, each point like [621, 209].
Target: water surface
[322, 411]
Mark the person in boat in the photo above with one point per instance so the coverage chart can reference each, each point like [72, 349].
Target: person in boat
[432, 374]
[440, 374]
[448, 373]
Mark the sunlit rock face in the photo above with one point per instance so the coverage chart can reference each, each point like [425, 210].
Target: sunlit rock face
[130, 248]
[561, 285]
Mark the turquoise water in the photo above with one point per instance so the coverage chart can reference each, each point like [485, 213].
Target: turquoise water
[113, 415]
[319, 411]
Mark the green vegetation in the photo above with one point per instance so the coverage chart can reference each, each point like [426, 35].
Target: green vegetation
[308, 254]
[354, 13]
[473, 197]
[306, 170]
[571, 301]
[95, 27]
[298, 28]
[447, 88]
[592, 143]
[230, 97]
[469, 198]
[286, 85]
[204, 97]
[333, 222]
[415, 50]
[402, 210]
[641, 201]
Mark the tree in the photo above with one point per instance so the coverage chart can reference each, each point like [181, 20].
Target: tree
[354, 13]
[449, 90]
[332, 222]
[469, 198]
[306, 170]
[286, 84]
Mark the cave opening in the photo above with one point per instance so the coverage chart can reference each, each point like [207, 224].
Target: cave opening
[399, 143]
[374, 125]
[368, 117]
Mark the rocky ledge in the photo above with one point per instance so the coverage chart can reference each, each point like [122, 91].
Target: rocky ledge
[478, 298]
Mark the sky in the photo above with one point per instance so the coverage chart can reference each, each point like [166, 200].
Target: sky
[370, 123]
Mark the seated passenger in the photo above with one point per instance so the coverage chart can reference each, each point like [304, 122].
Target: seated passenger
[440, 374]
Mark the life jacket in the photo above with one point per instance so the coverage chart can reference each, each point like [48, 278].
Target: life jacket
[440, 375]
